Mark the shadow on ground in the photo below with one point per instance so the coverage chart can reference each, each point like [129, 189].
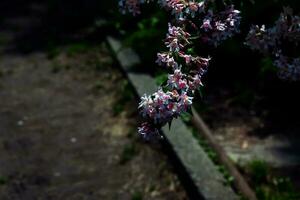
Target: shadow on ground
[67, 116]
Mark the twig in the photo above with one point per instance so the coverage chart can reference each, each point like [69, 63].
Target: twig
[239, 181]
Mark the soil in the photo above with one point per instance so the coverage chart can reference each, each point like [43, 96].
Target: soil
[68, 132]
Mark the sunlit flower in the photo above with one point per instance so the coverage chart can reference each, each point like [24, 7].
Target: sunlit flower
[186, 69]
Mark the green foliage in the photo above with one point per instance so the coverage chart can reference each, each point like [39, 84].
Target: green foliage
[161, 78]
[270, 187]
[146, 29]
[186, 117]
[229, 179]
[277, 189]
[258, 170]
[147, 34]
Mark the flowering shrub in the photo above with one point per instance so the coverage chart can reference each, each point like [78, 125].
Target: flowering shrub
[206, 22]
[194, 22]
[278, 41]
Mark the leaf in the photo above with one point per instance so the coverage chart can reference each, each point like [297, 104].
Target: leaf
[186, 117]
[161, 79]
[189, 111]
[200, 92]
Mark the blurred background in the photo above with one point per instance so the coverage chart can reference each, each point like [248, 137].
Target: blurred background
[68, 115]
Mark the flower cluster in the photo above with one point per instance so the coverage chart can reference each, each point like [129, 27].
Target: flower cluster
[213, 26]
[288, 68]
[186, 71]
[260, 39]
[219, 26]
[176, 96]
[272, 41]
[183, 8]
[132, 6]
[176, 39]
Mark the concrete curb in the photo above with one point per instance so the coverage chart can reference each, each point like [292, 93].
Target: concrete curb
[208, 181]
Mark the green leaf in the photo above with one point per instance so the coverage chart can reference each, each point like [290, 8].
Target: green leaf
[200, 92]
[161, 78]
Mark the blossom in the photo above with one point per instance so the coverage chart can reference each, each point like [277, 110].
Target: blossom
[155, 106]
[288, 68]
[185, 101]
[166, 59]
[270, 41]
[187, 70]
[202, 64]
[220, 26]
[176, 38]
[183, 8]
[206, 25]
[146, 104]
[173, 79]
[163, 106]
[261, 39]
[187, 58]
[195, 82]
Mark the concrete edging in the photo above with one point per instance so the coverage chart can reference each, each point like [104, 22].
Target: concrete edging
[209, 182]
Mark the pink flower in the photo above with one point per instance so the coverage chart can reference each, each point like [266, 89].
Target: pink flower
[176, 80]
[176, 38]
[206, 25]
[188, 58]
[182, 84]
[166, 59]
[196, 82]
[185, 101]
[175, 97]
